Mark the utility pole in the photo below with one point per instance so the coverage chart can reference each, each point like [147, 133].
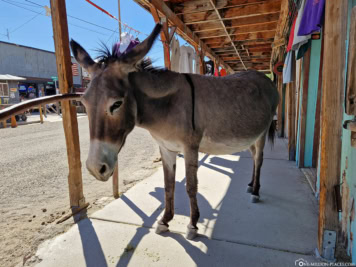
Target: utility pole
[115, 177]
[119, 20]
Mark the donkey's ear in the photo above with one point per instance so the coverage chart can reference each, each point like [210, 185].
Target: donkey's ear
[140, 51]
[82, 56]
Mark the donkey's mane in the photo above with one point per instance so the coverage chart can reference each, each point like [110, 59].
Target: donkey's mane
[106, 57]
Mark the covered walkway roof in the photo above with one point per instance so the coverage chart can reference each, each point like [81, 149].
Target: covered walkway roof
[237, 33]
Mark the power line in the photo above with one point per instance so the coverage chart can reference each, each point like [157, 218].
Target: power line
[26, 22]
[19, 6]
[21, 3]
[87, 29]
[88, 22]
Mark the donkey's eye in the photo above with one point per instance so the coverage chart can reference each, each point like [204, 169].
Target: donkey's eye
[115, 106]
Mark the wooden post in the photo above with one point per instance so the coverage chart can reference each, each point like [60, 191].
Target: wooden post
[41, 115]
[70, 123]
[201, 55]
[13, 122]
[165, 36]
[303, 108]
[115, 182]
[316, 140]
[280, 105]
[332, 113]
[4, 124]
[291, 120]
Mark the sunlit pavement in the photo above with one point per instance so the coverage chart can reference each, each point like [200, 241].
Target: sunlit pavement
[280, 230]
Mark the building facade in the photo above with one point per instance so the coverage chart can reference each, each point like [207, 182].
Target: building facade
[37, 66]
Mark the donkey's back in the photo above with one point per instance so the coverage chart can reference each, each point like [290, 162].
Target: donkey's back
[234, 111]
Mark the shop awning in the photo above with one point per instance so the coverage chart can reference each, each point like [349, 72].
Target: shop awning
[9, 77]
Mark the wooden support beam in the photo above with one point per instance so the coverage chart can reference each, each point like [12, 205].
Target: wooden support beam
[280, 105]
[194, 6]
[165, 36]
[254, 36]
[115, 182]
[291, 120]
[316, 141]
[201, 55]
[182, 29]
[269, 26]
[283, 19]
[303, 108]
[212, 3]
[267, 7]
[13, 122]
[41, 115]
[332, 113]
[234, 23]
[350, 103]
[70, 124]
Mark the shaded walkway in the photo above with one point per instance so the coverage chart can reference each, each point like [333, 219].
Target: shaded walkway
[233, 231]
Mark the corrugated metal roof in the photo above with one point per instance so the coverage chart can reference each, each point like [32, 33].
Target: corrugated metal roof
[9, 77]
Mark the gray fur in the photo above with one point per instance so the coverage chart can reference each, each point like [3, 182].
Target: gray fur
[230, 114]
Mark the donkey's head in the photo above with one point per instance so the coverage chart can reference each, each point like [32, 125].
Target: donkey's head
[110, 102]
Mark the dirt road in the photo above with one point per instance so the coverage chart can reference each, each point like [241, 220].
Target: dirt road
[33, 183]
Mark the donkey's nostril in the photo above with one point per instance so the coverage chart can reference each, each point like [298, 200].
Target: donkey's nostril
[103, 169]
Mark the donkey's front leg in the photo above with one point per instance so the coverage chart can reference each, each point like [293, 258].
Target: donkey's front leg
[191, 168]
[169, 170]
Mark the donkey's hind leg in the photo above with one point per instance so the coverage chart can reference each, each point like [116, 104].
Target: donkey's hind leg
[191, 169]
[169, 170]
[253, 153]
[258, 160]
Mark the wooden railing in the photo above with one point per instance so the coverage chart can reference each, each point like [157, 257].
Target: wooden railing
[14, 120]
[11, 111]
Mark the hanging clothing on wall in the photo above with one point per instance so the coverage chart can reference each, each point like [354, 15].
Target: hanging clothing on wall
[298, 41]
[287, 68]
[291, 35]
[187, 55]
[175, 55]
[313, 17]
[223, 72]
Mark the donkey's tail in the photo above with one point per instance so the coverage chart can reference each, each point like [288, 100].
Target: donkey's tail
[272, 132]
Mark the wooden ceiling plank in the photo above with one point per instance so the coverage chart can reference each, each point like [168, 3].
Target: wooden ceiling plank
[233, 23]
[271, 26]
[182, 29]
[213, 4]
[241, 37]
[233, 13]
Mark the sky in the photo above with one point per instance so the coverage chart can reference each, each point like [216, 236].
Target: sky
[26, 27]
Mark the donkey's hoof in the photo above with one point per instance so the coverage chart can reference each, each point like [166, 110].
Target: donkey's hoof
[255, 199]
[161, 228]
[249, 189]
[191, 233]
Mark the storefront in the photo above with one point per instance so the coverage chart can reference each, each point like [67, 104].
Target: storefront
[9, 89]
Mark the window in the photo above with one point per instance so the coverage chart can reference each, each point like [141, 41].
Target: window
[4, 89]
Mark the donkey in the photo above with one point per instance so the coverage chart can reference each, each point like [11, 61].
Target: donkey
[183, 112]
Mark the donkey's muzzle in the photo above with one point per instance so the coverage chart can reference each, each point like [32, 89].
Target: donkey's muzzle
[101, 159]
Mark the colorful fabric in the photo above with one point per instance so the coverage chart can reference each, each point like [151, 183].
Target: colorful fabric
[313, 17]
[127, 43]
[223, 72]
[287, 68]
[298, 41]
[302, 50]
[291, 35]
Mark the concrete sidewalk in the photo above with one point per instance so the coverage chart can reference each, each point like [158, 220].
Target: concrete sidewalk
[279, 230]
